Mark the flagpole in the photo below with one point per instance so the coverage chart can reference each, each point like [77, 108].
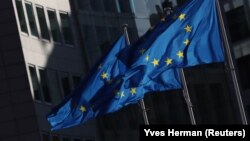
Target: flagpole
[187, 97]
[142, 105]
[231, 66]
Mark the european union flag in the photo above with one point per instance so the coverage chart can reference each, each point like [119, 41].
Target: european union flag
[77, 108]
[191, 38]
[105, 92]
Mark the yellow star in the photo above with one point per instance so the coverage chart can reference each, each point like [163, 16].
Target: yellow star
[147, 58]
[104, 75]
[83, 109]
[142, 51]
[155, 62]
[133, 91]
[122, 94]
[169, 61]
[182, 16]
[188, 28]
[186, 42]
[180, 54]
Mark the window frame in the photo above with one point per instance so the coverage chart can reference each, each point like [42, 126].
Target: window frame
[28, 20]
[70, 28]
[60, 42]
[31, 83]
[47, 83]
[46, 21]
[18, 18]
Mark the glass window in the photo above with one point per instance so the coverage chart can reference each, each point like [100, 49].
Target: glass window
[110, 5]
[44, 85]
[89, 36]
[77, 140]
[31, 18]
[76, 80]
[55, 138]
[65, 139]
[96, 5]
[114, 32]
[45, 137]
[42, 23]
[54, 86]
[54, 26]
[125, 6]
[65, 83]
[67, 34]
[21, 16]
[35, 83]
[237, 23]
[103, 40]
[84, 4]
[132, 32]
[244, 69]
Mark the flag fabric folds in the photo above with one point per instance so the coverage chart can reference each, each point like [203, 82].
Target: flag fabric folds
[188, 37]
[76, 108]
[105, 92]
[192, 37]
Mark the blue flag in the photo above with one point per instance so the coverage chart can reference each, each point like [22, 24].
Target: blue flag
[106, 92]
[77, 108]
[192, 37]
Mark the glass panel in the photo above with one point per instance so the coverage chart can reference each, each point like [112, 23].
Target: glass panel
[96, 5]
[114, 32]
[244, 69]
[89, 36]
[35, 83]
[54, 26]
[31, 18]
[125, 6]
[54, 86]
[55, 138]
[84, 4]
[76, 80]
[110, 5]
[44, 85]
[45, 137]
[77, 140]
[42, 23]
[237, 22]
[67, 34]
[132, 32]
[65, 83]
[21, 16]
[103, 40]
[66, 139]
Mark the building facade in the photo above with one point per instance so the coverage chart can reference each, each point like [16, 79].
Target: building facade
[47, 47]
[41, 62]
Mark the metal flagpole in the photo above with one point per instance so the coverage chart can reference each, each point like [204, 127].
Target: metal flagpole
[168, 11]
[187, 97]
[144, 112]
[231, 65]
